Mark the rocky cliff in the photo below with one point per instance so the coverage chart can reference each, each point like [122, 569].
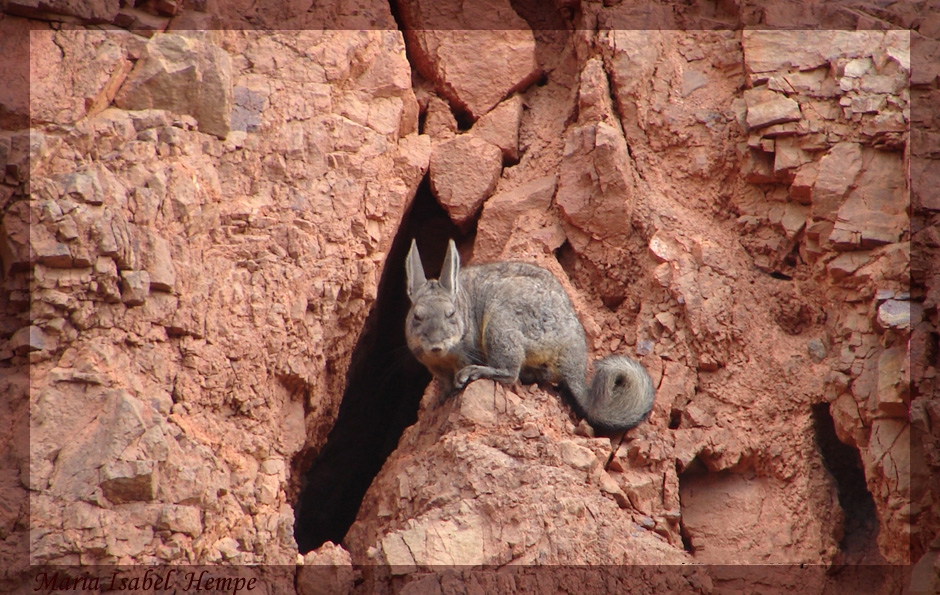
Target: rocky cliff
[204, 223]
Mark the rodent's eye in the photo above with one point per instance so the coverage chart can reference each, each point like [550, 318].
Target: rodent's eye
[450, 313]
[418, 317]
[619, 380]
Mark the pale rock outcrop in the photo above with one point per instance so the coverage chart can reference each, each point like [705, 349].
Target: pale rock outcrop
[183, 75]
[442, 515]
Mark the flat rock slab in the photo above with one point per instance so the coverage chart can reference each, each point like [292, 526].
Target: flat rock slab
[768, 51]
[776, 111]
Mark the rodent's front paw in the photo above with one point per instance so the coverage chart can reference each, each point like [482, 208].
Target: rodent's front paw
[461, 381]
[465, 376]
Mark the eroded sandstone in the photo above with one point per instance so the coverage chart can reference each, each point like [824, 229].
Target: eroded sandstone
[188, 271]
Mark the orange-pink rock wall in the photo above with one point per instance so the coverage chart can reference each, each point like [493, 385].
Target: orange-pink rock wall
[194, 226]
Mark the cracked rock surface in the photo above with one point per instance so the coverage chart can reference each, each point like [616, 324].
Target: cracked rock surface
[195, 227]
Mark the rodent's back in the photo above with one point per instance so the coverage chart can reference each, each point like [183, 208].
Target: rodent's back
[527, 297]
[515, 297]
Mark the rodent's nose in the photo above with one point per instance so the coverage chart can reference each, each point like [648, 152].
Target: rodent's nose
[437, 349]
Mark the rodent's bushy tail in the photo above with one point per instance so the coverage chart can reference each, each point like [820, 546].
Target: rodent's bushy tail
[621, 394]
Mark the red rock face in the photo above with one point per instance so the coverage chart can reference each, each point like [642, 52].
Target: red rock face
[153, 228]
[196, 227]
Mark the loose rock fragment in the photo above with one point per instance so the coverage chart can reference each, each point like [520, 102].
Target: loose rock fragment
[135, 287]
[898, 314]
[776, 111]
[31, 338]
[817, 350]
[129, 481]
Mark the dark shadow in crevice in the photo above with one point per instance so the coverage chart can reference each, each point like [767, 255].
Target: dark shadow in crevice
[694, 469]
[396, 14]
[675, 419]
[860, 538]
[541, 16]
[566, 257]
[686, 540]
[384, 386]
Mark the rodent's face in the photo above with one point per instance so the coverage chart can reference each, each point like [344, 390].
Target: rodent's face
[433, 327]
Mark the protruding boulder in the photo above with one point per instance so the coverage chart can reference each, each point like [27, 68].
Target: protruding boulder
[184, 75]
[158, 262]
[475, 53]
[135, 287]
[326, 570]
[463, 173]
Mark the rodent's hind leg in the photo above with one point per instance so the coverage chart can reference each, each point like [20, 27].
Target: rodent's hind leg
[539, 375]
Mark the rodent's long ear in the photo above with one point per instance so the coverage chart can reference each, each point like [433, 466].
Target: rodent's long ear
[451, 268]
[414, 271]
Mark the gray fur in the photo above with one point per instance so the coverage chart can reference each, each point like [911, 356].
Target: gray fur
[510, 320]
